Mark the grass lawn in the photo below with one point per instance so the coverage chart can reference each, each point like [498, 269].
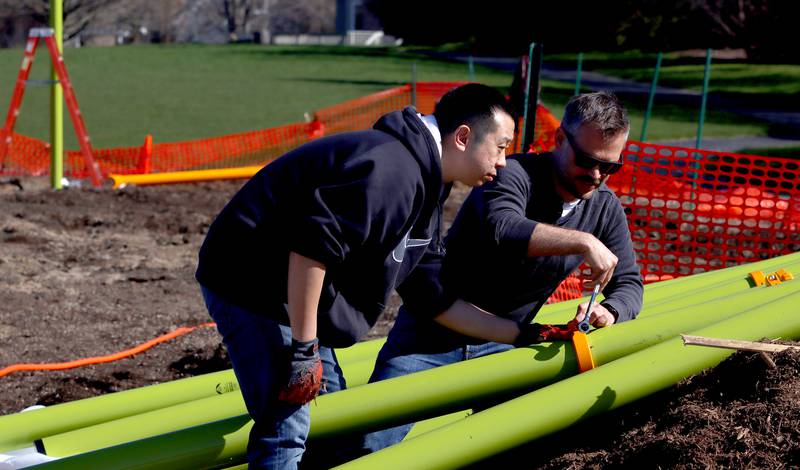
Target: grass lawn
[668, 121]
[788, 152]
[776, 85]
[183, 92]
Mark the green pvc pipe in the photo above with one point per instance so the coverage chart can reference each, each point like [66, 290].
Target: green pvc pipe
[457, 386]
[701, 120]
[160, 421]
[436, 391]
[768, 265]
[218, 444]
[56, 100]
[167, 419]
[181, 416]
[429, 425]
[678, 296]
[360, 351]
[578, 70]
[671, 290]
[19, 430]
[651, 98]
[560, 405]
[707, 294]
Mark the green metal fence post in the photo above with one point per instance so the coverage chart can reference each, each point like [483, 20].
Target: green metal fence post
[652, 96]
[414, 84]
[701, 121]
[531, 95]
[578, 74]
[471, 67]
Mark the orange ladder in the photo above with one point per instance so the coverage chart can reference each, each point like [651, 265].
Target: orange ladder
[69, 96]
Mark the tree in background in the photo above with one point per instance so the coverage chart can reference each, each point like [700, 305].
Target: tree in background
[760, 27]
[763, 28]
[303, 17]
[204, 21]
[78, 16]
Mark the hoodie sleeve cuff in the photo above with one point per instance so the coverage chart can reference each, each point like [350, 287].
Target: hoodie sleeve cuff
[517, 236]
[617, 309]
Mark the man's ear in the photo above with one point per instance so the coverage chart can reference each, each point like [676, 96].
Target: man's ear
[461, 136]
[560, 138]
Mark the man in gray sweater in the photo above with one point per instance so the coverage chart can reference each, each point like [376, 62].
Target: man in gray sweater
[515, 240]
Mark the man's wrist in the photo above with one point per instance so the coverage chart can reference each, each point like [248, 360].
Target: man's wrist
[585, 241]
[529, 333]
[612, 311]
[304, 348]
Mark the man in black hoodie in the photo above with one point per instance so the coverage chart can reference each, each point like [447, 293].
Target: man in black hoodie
[515, 240]
[305, 255]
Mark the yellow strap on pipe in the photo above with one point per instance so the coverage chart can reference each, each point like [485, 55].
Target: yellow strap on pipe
[580, 341]
[120, 181]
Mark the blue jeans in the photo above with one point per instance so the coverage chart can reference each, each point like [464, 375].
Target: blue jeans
[415, 345]
[259, 350]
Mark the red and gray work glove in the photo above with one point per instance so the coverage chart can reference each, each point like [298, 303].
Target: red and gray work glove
[533, 333]
[305, 373]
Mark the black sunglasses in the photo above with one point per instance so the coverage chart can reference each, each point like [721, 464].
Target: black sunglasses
[588, 161]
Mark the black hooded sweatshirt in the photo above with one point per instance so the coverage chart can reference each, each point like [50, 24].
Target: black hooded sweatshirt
[365, 204]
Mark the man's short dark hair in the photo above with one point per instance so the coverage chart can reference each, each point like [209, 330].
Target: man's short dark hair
[474, 105]
[602, 110]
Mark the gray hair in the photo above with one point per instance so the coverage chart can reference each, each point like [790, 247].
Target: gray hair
[602, 110]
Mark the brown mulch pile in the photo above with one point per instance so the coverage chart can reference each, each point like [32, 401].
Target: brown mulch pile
[741, 414]
[87, 273]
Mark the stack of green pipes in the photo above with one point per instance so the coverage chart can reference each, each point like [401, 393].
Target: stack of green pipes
[201, 429]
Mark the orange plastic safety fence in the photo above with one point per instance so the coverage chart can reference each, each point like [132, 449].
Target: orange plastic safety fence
[29, 156]
[26, 156]
[691, 211]
[361, 113]
[544, 136]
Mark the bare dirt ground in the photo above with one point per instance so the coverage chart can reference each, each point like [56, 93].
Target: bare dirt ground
[87, 273]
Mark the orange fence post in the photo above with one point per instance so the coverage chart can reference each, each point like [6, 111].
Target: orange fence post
[146, 155]
[316, 129]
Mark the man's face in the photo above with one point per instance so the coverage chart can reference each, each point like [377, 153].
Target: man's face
[484, 155]
[585, 160]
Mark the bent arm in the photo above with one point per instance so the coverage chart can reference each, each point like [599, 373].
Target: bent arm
[505, 204]
[547, 240]
[467, 319]
[305, 281]
[624, 293]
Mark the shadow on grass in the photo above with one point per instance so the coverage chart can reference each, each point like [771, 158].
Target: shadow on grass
[327, 51]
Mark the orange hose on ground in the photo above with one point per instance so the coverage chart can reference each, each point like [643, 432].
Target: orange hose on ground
[103, 359]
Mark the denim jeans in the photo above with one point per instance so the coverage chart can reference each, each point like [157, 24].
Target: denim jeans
[415, 345]
[259, 350]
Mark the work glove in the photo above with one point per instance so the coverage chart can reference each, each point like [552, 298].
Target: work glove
[533, 333]
[305, 373]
